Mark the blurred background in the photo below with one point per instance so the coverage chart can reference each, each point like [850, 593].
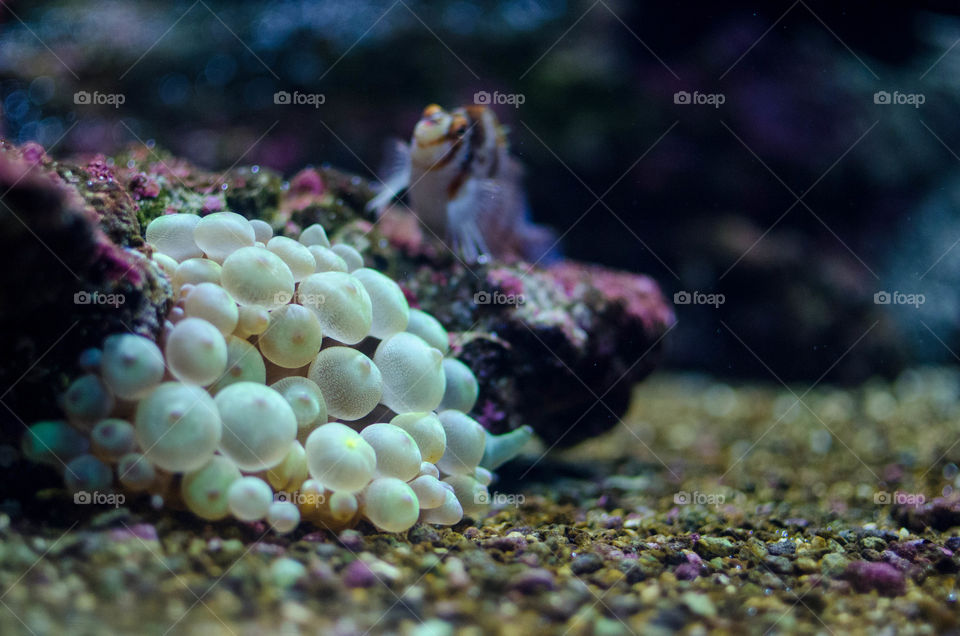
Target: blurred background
[790, 168]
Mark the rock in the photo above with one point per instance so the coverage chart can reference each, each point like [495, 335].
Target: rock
[779, 564]
[712, 547]
[834, 564]
[882, 577]
[586, 563]
[687, 571]
[567, 331]
[532, 581]
[782, 548]
[699, 604]
[285, 572]
[942, 513]
[75, 269]
[359, 574]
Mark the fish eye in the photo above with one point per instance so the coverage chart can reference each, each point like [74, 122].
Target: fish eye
[459, 129]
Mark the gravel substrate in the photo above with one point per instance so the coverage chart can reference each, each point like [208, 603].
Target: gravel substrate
[711, 508]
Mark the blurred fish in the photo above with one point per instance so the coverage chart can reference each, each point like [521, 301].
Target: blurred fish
[464, 186]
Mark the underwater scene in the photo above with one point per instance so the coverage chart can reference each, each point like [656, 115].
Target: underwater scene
[575, 317]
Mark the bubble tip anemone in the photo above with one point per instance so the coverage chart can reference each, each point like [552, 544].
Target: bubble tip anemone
[502, 448]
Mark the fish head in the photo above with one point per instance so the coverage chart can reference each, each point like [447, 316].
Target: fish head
[437, 133]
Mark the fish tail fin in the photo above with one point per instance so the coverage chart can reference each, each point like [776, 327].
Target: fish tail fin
[540, 244]
[394, 176]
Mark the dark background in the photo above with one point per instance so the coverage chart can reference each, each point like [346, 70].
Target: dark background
[701, 198]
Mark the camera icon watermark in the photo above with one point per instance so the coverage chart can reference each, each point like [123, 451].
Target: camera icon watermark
[885, 498]
[900, 99]
[697, 498]
[500, 499]
[97, 498]
[497, 298]
[296, 98]
[898, 298]
[484, 98]
[96, 298]
[699, 99]
[96, 98]
[698, 298]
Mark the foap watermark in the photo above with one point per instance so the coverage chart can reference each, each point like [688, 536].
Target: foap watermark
[698, 298]
[315, 499]
[699, 99]
[96, 98]
[98, 298]
[697, 498]
[97, 498]
[296, 98]
[497, 298]
[484, 98]
[899, 99]
[898, 298]
[500, 499]
[899, 498]
[307, 300]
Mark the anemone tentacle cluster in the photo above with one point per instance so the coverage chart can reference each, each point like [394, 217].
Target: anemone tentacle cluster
[260, 401]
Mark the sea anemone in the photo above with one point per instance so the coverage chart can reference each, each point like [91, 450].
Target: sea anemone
[283, 516]
[327, 260]
[172, 234]
[293, 337]
[297, 257]
[258, 425]
[341, 303]
[349, 380]
[262, 232]
[178, 426]
[422, 324]
[427, 431]
[204, 490]
[466, 441]
[194, 271]
[390, 309]
[222, 233]
[135, 472]
[256, 276]
[196, 352]
[397, 453]
[350, 256]
[412, 371]
[390, 504]
[462, 390]
[305, 399]
[339, 458]
[252, 320]
[235, 446]
[249, 498]
[314, 235]
[430, 491]
[87, 401]
[112, 438]
[87, 473]
[212, 303]
[131, 366]
[244, 364]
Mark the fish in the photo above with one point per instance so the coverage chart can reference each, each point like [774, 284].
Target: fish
[465, 187]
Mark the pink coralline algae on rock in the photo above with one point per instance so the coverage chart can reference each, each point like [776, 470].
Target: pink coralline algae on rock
[882, 577]
[69, 240]
[576, 336]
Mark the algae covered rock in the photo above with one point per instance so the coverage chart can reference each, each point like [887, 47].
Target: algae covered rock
[555, 347]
